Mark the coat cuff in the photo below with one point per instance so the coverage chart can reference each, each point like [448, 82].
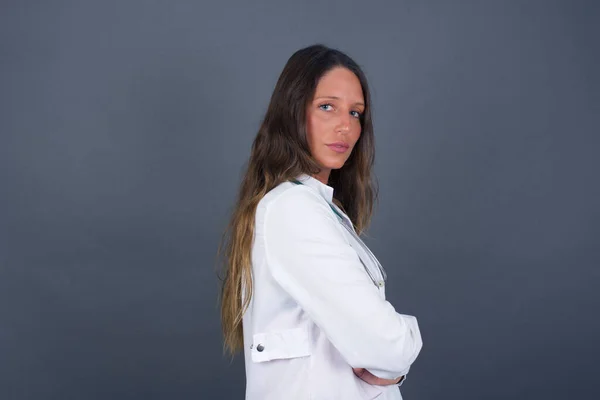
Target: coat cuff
[401, 381]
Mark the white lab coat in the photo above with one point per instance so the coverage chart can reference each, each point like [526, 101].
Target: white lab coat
[315, 313]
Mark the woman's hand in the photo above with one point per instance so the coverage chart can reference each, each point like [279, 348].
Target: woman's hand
[374, 380]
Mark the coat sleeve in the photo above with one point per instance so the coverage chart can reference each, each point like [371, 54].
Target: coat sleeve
[311, 260]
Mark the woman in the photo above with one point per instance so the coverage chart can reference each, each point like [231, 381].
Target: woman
[302, 294]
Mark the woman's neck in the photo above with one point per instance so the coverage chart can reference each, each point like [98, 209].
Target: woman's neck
[323, 176]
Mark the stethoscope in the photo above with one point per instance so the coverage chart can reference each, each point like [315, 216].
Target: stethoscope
[377, 282]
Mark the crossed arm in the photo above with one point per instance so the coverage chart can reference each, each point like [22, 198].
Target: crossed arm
[310, 259]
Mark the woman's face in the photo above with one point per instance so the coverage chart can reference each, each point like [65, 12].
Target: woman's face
[333, 119]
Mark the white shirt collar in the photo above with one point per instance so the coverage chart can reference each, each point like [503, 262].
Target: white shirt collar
[324, 190]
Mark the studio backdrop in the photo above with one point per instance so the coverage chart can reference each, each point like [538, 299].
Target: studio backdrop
[125, 127]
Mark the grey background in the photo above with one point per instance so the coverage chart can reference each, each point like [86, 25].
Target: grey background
[125, 126]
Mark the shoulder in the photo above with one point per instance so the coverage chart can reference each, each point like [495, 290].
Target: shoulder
[288, 194]
[293, 205]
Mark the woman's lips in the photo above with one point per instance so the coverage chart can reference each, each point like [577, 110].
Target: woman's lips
[338, 148]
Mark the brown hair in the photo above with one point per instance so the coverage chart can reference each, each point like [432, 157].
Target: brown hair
[279, 153]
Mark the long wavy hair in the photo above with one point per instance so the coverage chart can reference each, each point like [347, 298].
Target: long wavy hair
[279, 153]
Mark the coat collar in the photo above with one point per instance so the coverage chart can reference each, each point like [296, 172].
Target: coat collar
[324, 190]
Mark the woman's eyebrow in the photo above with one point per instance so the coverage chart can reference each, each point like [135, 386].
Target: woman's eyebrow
[358, 103]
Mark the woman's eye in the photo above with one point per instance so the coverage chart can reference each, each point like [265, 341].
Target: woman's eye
[323, 107]
[356, 114]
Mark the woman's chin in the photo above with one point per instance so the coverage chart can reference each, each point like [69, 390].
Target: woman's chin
[334, 164]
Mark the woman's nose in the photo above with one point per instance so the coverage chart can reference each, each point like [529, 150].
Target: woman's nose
[343, 124]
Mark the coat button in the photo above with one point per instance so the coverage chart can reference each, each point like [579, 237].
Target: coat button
[260, 347]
